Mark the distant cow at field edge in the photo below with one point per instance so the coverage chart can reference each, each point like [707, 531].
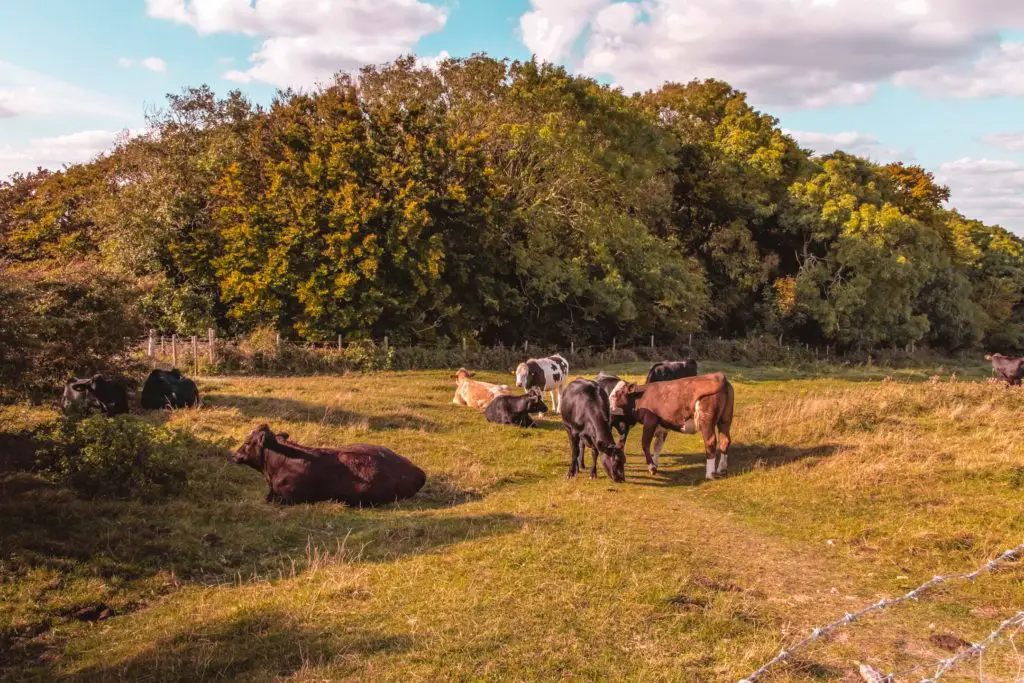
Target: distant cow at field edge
[474, 393]
[516, 410]
[546, 374]
[672, 369]
[97, 392]
[168, 389]
[358, 474]
[586, 416]
[1007, 369]
[703, 403]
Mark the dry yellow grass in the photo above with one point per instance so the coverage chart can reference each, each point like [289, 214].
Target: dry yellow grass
[843, 491]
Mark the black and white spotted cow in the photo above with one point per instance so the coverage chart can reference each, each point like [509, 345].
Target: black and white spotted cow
[547, 374]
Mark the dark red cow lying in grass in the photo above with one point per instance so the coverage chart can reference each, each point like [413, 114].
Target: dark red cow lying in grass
[688, 405]
[360, 474]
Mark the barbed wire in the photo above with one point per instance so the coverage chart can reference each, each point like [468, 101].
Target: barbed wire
[976, 649]
[1010, 555]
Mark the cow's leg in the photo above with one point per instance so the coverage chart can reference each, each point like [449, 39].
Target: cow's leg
[574, 448]
[724, 439]
[593, 465]
[659, 444]
[650, 426]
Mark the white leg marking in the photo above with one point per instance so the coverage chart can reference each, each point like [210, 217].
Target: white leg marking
[709, 472]
[723, 462]
[659, 444]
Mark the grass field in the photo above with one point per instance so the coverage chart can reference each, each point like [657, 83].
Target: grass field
[844, 489]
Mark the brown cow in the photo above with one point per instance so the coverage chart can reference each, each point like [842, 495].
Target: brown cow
[359, 474]
[471, 392]
[687, 405]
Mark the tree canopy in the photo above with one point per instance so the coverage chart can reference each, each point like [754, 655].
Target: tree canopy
[505, 200]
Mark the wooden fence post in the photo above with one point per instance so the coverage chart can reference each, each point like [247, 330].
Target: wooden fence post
[152, 343]
[278, 341]
[385, 343]
[339, 342]
[163, 346]
[690, 342]
[613, 345]
[652, 342]
[174, 350]
[195, 355]
[526, 346]
[212, 336]
[463, 344]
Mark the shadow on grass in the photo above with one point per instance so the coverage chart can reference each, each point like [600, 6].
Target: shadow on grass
[270, 409]
[260, 645]
[689, 469]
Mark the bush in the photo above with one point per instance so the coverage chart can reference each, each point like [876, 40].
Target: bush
[56, 322]
[121, 457]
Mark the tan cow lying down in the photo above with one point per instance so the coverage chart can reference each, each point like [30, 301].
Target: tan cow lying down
[471, 392]
[689, 405]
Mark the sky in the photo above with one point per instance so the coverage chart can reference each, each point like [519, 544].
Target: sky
[938, 83]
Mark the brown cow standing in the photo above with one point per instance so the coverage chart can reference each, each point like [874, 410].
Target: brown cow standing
[687, 405]
[359, 474]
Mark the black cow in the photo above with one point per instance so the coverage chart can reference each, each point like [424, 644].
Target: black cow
[672, 369]
[619, 421]
[95, 392]
[1007, 369]
[168, 389]
[586, 416]
[516, 410]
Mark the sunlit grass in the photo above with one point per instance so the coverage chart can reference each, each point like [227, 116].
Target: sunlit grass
[844, 489]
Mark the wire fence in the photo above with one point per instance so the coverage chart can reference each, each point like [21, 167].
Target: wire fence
[1011, 555]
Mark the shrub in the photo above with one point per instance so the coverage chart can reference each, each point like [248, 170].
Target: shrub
[119, 457]
[56, 322]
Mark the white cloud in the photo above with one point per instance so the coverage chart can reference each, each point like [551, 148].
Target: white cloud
[860, 144]
[24, 92]
[789, 53]
[125, 63]
[154, 64]
[309, 40]
[988, 189]
[1011, 141]
[54, 152]
[433, 62]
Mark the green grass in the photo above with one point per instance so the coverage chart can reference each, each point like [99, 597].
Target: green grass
[845, 489]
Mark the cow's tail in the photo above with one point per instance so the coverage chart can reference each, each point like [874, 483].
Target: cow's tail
[725, 416]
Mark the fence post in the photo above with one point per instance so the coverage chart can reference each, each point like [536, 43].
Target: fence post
[690, 342]
[174, 350]
[152, 342]
[572, 347]
[195, 355]
[652, 342]
[278, 341]
[613, 345]
[526, 346]
[163, 346]
[212, 336]
[385, 343]
[339, 342]
[463, 344]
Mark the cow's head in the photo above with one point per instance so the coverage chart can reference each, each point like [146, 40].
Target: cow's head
[535, 401]
[461, 375]
[80, 395]
[251, 452]
[613, 459]
[522, 372]
[624, 398]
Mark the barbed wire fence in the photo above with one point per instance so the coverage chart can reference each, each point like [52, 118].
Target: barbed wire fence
[1011, 555]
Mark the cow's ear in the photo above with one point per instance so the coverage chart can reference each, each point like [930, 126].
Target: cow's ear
[282, 436]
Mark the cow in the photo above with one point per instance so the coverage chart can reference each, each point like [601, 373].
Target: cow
[672, 369]
[516, 410]
[1007, 369]
[85, 394]
[471, 392]
[358, 474]
[547, 374]
[586, 416]
[620, 422]
[703, 403]
[168, 389]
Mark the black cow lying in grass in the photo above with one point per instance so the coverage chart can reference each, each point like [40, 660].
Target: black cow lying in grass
[672, 369]
[96, 392]
[586, 415]
[1007, 369]
[516, 410]
[358, 474]
[168, 389]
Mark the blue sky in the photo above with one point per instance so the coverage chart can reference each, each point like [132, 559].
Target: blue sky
[935, 82]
